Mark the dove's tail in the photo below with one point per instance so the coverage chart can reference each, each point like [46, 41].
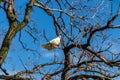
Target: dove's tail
[47, 46]
[44, 45]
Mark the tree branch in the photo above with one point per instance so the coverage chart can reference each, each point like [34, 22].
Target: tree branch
[12, 77]
[14, 28]
[82, 76]
[27, 14]
[36, 68]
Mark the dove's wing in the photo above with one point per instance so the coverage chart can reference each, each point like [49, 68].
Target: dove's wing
[47, 46]
[54, 43]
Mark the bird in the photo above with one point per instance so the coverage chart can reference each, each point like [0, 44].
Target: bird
[52, 44]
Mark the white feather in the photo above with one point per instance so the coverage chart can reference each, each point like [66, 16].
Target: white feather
[54, 43]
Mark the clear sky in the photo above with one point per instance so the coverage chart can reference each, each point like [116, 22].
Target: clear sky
[39, 21]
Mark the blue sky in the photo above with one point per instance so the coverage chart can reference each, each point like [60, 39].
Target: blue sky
[42, 22]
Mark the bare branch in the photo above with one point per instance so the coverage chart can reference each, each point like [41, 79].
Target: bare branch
[36, 68]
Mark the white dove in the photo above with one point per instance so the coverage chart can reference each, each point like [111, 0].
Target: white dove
[52, 44]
